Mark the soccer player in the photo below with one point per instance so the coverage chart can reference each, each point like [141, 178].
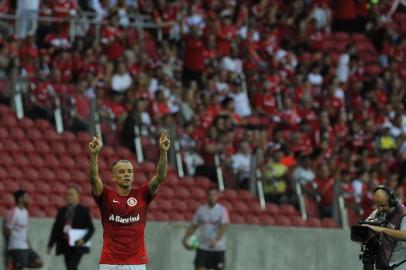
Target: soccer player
[16, 231]
[212, 219]
[123, 210]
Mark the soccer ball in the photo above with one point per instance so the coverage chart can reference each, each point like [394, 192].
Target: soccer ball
[193, 242]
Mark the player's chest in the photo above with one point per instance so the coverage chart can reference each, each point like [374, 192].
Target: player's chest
[125, 205]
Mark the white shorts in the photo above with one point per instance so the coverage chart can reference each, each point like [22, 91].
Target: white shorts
[122, 267]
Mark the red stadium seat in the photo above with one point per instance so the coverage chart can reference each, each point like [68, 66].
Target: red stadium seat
[41, 200]
[57, 200]
[35, 134]
[329, 223]
[37, 212]
[288, 210]
[11, 185]
[32, 174]
[272, 209]
[203, 182]
[166, 192]
[298, 221]
[36, 160]
[179, 205]
[313, 222]
[67, 161]
[51, 211]
[14, 172]
[8, 198]
[83, 138]
[51, 135]
[58, 188]
[175, 216]
[240, 206]
[237, 219]
[88, 201]
[17, 133]
[51, 161]
[3, 172]
[95, 212]
[20, 159]
[9, 121]
[282, 221]
[172, 180]
[43, 124]
[4, 134]
[6, 160]
[245, 195]
[48, 175]
[182, 192]
[44, 187]
[27, 185]
[64, 176]
[252, 219]
[141, 178]
[27, 123]
[68, 137]
[229, 194]
[164, 204]
[312, 208]
[148, 167]
[161, 216]
[10, 145]
[254, 207]
[42, 147]
[198, 193]
[58, 148]
[26, 146]
[267, 220]
[75, 148]
[77, 175]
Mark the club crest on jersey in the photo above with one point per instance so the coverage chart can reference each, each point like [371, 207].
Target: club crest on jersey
[131, 201]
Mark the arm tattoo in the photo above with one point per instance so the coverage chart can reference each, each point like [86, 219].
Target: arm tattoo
[93, 168]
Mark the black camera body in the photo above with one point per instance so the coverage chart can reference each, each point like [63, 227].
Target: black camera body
[370, 240]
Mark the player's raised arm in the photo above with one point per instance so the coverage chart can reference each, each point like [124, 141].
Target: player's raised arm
[161, 168]
[94, 148]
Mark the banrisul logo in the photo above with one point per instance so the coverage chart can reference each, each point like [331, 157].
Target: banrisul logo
[126, 220]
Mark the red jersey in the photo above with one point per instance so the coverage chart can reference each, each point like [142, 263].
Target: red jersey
[123, 220]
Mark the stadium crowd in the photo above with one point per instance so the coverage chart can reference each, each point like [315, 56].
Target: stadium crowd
[312, 90]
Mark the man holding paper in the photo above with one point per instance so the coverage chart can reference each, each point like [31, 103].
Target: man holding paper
[72, 229]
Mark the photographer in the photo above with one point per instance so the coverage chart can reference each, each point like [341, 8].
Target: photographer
[391, 252]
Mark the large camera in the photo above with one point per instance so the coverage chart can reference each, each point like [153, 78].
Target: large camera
[370, 240]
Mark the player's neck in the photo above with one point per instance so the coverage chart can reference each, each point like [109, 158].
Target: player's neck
[123, 191]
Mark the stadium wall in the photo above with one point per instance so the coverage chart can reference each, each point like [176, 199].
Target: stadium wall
[249, 247]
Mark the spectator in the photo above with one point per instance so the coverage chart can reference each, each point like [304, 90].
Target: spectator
[71, 218]
[121, 80]
[19, 248]
[275, 176]
[303, 173]
[241, 165]
[27, 15]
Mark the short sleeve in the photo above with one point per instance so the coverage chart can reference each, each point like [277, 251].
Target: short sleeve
[196, 217]
[102, 198]
[146, 194]
[10, 218]
[225, 218]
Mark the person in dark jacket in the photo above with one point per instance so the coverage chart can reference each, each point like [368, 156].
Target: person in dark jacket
[71, 218]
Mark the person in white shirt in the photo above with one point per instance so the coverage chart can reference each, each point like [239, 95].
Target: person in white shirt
[212, 219]
[27, 15]
[121, 80]
[241, 164]
[15, 231]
